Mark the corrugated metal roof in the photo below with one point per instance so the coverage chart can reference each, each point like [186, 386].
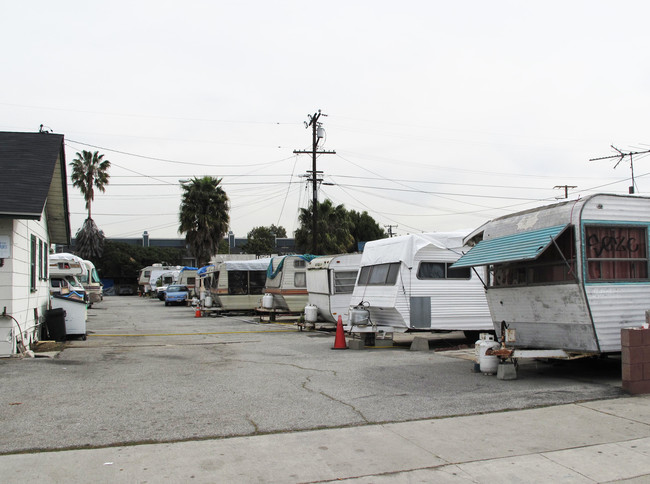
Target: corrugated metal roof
[511, 248]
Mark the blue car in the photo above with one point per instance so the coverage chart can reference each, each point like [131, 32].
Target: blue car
[176, 294]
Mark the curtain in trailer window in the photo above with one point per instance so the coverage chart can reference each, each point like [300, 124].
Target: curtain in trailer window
[616, 253]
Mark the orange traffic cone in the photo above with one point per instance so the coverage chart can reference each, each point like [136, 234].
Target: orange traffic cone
[197, 314]
[339, 340]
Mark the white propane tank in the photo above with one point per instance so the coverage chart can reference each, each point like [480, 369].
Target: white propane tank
[208, 301]
[488, 363]
[359, 316]
[267, 301]
[311, 313]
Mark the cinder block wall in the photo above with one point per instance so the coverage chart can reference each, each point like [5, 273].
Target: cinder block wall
[635, 356]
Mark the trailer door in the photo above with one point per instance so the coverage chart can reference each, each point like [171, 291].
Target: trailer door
[420, 314]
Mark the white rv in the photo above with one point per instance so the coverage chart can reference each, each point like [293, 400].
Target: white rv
[407, 284]
[330, 283]
[567, 276]
[236, 285]
[286, 284]
[65, 271]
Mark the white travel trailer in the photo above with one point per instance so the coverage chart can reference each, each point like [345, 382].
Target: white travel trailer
[330, 282]
[188, 277]
[567, 276]
[159, 276]
[286, 284]
[236, 285]
[407, 284]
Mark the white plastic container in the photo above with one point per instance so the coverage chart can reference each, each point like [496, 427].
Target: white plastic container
[311, 313]
[208, 301]
[267, 301]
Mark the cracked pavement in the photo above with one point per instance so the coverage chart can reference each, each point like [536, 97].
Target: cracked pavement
[150, 373]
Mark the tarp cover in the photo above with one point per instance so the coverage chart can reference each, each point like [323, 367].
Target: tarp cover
[404, 248]
[248, 265]
[203, 271]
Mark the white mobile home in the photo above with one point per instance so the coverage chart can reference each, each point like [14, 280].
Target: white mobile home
[237, 285]
[407, 284]
[330, 282]
[33, 214]
[92, 283]
[286, 284]
[568, 276]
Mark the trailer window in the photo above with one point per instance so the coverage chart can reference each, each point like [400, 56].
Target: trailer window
[616, 253]
[442, 270]
[553, 266]
[256, 282]
[379, 275]
[299, 263]
[191, 281]
[344, 281]
[300, 279]
[237, 282]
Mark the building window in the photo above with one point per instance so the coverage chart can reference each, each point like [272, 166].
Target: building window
[32, 268]
[616, 253]
[442, 270]
[46, 261]
[379, 275]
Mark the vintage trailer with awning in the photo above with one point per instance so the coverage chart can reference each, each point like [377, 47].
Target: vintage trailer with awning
[567, 276]
[407, 283]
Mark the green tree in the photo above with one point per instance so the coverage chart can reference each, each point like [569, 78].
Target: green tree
[261, 240]
[365, 228]
[89, 172]
[204, 216]
[333, 228]
[279, 231]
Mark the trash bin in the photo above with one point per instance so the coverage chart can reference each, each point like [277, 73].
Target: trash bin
[55, 323]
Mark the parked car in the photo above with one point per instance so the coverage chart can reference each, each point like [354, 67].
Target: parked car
[176, 294]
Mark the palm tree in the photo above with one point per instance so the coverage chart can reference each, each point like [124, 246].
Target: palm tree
[90, 171]
[204, 216]
[333, 225]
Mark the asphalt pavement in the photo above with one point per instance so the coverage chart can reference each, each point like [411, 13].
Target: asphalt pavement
[155, 394]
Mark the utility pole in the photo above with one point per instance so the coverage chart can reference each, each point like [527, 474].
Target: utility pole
[566, 190]
[620, 157]
[317, 133]
[390, 229]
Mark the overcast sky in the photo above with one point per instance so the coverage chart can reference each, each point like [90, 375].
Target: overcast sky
[443, 115]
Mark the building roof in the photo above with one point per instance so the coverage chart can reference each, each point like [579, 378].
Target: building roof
[33, 179]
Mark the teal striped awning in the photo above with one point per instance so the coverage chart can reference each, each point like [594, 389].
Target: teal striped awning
[511, 248]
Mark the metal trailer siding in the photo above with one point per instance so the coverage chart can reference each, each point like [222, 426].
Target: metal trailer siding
[554, 315]
[615, 305]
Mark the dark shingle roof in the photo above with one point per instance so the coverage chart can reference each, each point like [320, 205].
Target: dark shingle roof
[33, 172]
